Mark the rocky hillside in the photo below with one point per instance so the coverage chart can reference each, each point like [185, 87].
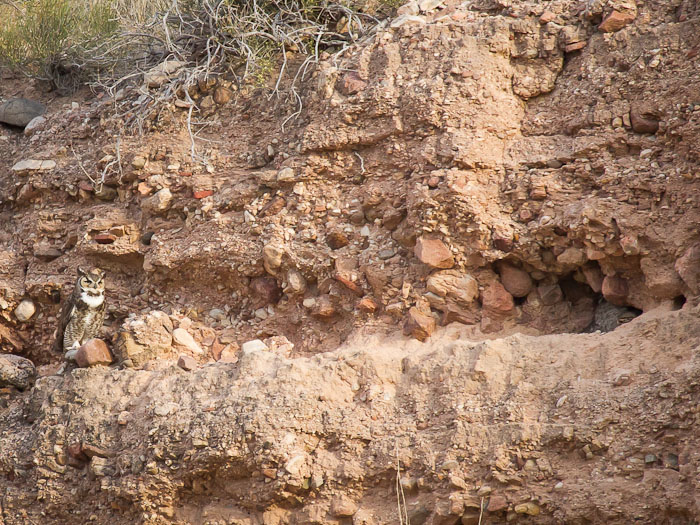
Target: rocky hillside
[386, 279]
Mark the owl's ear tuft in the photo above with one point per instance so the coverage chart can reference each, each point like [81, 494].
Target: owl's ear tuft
[81, 271]
[101, 272]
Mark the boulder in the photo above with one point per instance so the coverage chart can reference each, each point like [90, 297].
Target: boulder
[93, 353]
[20, 111]
[16, 371]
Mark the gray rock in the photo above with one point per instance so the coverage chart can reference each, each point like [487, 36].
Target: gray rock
[20, 111]
[16, 371]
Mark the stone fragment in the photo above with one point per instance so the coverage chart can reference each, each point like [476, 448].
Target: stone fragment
[323, 307]
[643, 119]
[25, 310]
[186, 362]
[497, 301]
[202, 194]
[256, 345]
[183, 338]
[594, 277]
[160, 74]
[138, 163]
[529, 508]
[93, 353]
[272, 258]
[352, 83]
[550, 293]
[104, 238]
[280, 345]
[34, 125]
[616, 21]
[16, 371]
[368, 305]
[572, 257]
[92, 451]
[497, 502]
[296, 284]
[418, 324]
[547, 17]
[337, 240]
[454, 284]
[434, 252]
[688, 267]
[615, 290]
[159, 202]
[515, 280]
[222, 95]
[20, 111]
[264, 291]
[342, 506]
[25, 166]
[429, 5]
[285, 175]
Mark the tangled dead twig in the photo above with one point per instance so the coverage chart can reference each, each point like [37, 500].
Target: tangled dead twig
[242, 42]
[400, 496]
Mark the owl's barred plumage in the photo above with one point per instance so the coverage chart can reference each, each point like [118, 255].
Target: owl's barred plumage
[83, 312]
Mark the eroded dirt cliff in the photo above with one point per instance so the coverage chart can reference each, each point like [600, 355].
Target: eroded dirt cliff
[499, 169]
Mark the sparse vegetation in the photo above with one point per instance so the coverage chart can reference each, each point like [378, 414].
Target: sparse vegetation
[109, 41]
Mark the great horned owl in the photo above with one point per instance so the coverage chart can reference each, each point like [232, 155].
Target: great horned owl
[83, 312]
[609, 316]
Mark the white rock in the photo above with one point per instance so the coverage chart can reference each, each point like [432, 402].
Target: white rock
[256, 345]
[160, 74]
[183, 338]
[428, 5]
[285, 175]
[159, 202]
[408, 19]
[294, 465]
[25, 310]
[35, 124]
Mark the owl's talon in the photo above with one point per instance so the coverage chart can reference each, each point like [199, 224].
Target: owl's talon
[70, 354]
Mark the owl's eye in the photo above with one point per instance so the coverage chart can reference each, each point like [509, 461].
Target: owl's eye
[83, 282]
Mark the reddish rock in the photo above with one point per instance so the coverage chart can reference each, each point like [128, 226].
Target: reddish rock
[570, 48]
[547, 17]
[616, 21]
[644, 120]
[550, 294]
[368, 305]
[323, 308]
[688, 267]
[92, 353]
[265, 290]
[273, 207]
[352, 83]
[434, 252]
[615, 290]
[418, 324]
[201, 194]
[496, 503]
[349, 283]
[342, 506]
[503, 242]
[76, 456]
[337, 240]
[92, 451]
[186, 362]
[105, 238]
[497, 301]
[594, 278]
[393, 218]
[515, 280]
